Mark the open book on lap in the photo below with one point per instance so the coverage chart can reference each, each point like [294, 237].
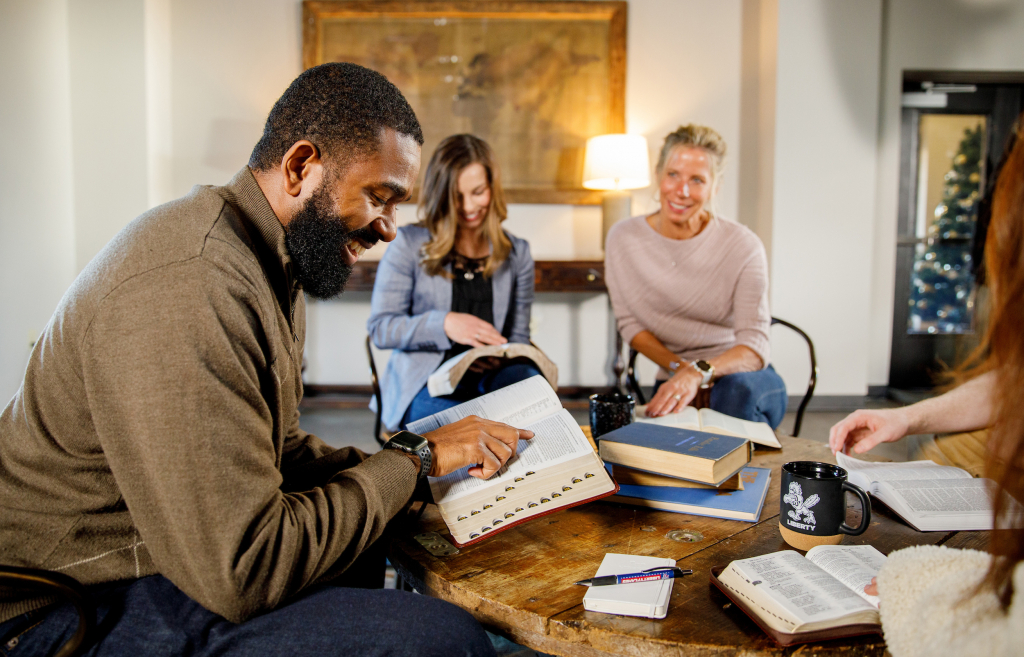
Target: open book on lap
[556, 469]
[797, 599]
[711, 421]
[928, 496]
[446, 378]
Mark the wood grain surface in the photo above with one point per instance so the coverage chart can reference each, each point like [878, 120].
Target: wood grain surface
[520, 583]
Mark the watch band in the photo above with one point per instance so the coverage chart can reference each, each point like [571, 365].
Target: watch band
[706, 371]
[410, 443]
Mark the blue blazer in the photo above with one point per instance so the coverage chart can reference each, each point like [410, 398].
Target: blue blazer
[408, 308]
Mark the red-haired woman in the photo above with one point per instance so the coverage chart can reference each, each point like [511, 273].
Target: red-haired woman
[942, 601]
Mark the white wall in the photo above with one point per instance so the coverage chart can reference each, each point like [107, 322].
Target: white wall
[108, 119]
[37, 250]
[824, 186]
[967, 35]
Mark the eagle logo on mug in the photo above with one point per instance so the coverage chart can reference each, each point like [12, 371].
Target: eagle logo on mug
[801, 512]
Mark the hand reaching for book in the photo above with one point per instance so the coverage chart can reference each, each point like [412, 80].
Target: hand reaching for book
[864, 429]
[483, 445]
[469, 329]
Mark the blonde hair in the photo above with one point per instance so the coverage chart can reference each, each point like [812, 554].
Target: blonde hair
[439, 203]
[692, 135]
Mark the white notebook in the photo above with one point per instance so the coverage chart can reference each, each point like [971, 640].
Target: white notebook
[647, 599]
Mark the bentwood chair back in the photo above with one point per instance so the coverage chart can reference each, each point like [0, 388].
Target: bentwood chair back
[637, 391]
[38, 582]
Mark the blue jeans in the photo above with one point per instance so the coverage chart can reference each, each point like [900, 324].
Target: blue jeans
[470, 387]
[756, 396]
[151, 616]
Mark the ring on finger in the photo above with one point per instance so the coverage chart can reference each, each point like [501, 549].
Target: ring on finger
[677, 397]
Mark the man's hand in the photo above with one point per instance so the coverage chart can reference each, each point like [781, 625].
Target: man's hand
[470, 329]
[862, 430]
[483, 445]
[675, 393]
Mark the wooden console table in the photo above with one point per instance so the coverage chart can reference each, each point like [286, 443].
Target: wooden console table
[520, 582]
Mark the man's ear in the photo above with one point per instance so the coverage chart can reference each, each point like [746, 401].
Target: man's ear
[301, 163]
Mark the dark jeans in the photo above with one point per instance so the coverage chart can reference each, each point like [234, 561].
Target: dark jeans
[151, 616]
[471, 386]
[756, 396]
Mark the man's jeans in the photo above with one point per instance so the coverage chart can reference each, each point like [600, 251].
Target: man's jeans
[152, 617]
[756, 396]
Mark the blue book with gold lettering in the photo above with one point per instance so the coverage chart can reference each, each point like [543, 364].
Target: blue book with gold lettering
[743, 504]
[708, 458]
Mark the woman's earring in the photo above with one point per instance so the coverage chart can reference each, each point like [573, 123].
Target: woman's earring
[657, 197]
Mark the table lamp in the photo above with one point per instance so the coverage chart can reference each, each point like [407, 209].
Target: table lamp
[616, 163]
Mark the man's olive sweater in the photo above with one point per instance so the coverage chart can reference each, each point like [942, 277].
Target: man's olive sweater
[156, 430]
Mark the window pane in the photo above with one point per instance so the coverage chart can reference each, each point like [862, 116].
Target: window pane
[948, 188]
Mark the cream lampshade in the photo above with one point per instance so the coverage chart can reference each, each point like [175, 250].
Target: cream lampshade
[616, 163]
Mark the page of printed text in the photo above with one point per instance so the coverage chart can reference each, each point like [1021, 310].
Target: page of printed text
[853, 565]
[518, 405]
[556, 439]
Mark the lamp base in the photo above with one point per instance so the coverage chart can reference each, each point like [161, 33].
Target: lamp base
[615, 206]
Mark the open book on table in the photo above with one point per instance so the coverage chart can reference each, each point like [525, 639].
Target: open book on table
[556, 469]
[446, 378]
[797, 599]
[928, 496]
[711, 421]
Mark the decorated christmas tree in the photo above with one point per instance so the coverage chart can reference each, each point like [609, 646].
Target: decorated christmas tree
[942, 280]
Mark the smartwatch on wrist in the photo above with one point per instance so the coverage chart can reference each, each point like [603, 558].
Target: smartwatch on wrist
[410, 443]
[706, 371]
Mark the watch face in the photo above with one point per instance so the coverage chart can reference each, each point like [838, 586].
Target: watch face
[409, 441]
[703, 365]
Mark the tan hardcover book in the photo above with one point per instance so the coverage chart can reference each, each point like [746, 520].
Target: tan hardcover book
[556, 469]
[632, 477]
[446, 378]
[798, 599]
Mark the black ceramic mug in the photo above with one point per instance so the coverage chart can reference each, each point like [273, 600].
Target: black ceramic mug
[610, 411]
[813, 506]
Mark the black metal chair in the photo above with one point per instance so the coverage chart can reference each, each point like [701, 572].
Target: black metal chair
[634, 385]
[48, 583]
[380, 434]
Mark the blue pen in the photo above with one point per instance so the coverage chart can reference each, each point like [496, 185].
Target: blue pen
[649, 575]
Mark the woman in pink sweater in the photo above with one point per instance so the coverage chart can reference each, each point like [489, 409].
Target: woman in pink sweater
[690, 289]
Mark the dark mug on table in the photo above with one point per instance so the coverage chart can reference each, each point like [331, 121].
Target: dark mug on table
[610, 411]
[813, 505]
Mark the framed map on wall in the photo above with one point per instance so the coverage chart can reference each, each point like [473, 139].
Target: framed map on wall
[534, 79]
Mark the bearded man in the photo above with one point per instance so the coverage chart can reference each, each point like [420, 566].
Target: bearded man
[153, 451]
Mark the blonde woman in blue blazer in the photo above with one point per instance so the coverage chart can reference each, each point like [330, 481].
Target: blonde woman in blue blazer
[453, 281]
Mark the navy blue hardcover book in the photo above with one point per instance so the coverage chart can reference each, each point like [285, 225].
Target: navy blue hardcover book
[730, 504]
[685, 453]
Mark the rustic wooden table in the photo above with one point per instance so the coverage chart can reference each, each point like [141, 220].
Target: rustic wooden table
[520, 582]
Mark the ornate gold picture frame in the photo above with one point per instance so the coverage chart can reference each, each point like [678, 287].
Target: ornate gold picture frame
[534, 79]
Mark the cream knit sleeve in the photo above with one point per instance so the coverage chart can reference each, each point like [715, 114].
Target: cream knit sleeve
[928, 607]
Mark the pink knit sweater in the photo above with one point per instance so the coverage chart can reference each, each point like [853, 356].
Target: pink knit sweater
[699, 297]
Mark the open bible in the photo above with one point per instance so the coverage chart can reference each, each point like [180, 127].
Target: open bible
[556, 469]
[711, 421]
[928, 496]
[446, 378]
[797, 599]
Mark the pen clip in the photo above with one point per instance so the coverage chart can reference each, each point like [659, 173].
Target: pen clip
[676, 571]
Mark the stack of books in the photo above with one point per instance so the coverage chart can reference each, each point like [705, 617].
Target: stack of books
[685, 471]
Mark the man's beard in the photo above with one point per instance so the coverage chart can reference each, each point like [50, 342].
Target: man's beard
[315, 238]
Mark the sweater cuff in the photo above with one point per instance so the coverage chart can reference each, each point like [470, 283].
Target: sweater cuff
[394, 475]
